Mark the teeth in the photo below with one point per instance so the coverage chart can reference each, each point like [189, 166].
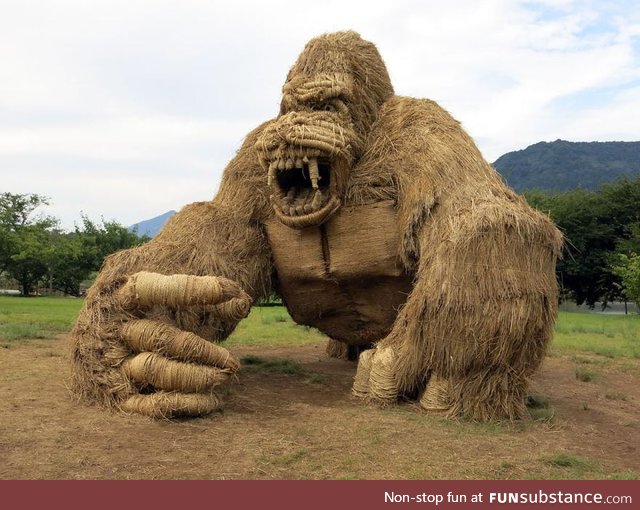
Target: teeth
[291, 194]
[273, 167]
[298, 202]
[318, 200]
[307, 201]
[304, 194]
[301, 201]
[314, 173]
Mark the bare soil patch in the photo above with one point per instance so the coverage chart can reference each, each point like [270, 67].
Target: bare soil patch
[307, 426]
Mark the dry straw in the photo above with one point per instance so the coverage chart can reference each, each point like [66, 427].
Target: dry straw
[145, 289]
[361, 381]
[164, 404]
[213, 238]
[383, 387]
[146, 335]
[337, 349]
[149, 368]
[437, 395]
[479, 310]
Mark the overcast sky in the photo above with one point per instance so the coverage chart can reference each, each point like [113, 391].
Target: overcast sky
[127, 109]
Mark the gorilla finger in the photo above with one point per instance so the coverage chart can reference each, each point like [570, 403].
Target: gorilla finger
[149, 368]
[360, 386]
[233, 310]
[382, 387]
[148, 335]
[145, 289]
[171, 404]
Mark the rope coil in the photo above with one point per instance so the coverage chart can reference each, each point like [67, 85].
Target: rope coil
[169, 404]
[148, 335]
[178, 290]
[167, 374]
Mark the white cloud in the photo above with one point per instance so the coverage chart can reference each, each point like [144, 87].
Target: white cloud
[127, 108]
[127, 138]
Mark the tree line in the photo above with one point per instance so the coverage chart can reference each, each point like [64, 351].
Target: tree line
[602, 229]
[36, 253]
[601, 261]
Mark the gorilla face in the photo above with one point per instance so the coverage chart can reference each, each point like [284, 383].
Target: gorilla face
[308, 150]
[329, 102]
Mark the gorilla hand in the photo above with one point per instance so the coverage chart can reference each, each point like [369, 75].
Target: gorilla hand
[174, 372]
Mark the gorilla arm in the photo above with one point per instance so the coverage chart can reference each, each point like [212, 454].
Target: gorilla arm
[142, 341]
[480, 314]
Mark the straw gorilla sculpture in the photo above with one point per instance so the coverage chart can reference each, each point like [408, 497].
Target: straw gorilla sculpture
[375, 218]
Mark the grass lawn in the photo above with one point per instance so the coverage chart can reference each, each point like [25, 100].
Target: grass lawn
[46, 317]
[297, 418]
[35, 317]
[271, 326]
[607, 335]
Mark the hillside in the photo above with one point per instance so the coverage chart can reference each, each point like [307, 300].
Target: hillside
[151, 227]
[562, 165]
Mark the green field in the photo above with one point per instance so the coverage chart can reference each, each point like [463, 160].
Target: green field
[35, 317]
[46, 317]
[23, 319]
[608, 335]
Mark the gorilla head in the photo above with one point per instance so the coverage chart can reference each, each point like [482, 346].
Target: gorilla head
[329, 102]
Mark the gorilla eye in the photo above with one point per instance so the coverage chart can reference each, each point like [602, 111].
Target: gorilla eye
[322, 107]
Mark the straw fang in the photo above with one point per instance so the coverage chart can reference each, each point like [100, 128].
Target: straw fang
[314, 173]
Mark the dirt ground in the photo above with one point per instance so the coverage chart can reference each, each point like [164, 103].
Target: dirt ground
[307, 426]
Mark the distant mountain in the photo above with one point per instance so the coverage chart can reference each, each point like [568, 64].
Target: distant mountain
[562, 165]
[151, 227]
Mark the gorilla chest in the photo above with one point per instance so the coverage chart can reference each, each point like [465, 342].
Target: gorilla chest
[344, 277]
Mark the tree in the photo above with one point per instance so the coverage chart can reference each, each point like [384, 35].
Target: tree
[100, 240]
[623, 204]
[30, 252]
[67, 267]
[585, 268]
[25, 247]
[598, 226]
[80, 253]
[16, 209]
[628, 269]
[33, 249]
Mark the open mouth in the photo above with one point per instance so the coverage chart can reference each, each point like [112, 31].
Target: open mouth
[304, 191]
